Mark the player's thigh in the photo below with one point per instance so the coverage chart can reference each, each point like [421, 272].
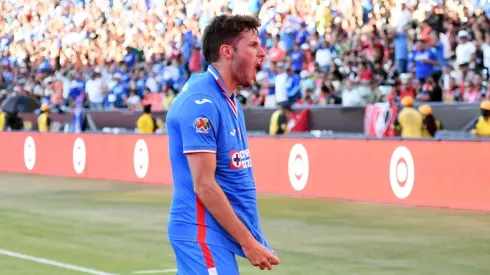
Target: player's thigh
[199, 259]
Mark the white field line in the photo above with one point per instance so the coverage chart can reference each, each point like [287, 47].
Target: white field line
[53, 263]
[155, 271]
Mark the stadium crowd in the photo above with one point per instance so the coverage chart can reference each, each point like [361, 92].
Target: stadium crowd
[126, 54]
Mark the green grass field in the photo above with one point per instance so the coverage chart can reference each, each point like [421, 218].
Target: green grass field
[120, 228]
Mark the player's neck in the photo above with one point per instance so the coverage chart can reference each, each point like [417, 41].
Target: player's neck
[227, 78]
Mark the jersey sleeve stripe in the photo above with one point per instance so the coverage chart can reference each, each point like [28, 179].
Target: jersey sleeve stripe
[199, 151]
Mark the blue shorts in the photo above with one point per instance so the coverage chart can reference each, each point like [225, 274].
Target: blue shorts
[203, 259]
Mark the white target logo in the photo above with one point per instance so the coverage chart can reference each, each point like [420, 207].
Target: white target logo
[298, 167]
[402, 172]
[79, 155]
[141, 158]
[29, 153]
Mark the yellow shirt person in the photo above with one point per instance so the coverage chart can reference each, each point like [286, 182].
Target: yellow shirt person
[279, 121]
[431, 124]
[2, 120]
[43, 120]
[409, 122]
[481, 127]
[146, 124]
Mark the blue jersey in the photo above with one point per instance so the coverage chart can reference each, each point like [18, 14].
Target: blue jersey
[422, 69]
[203, 118]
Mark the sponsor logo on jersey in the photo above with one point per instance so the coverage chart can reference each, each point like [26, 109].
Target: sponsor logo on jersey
[202, 125]
[202, 101]
[240, 159]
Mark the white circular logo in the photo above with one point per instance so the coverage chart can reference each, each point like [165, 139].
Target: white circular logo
[298, 167]
[141, 158]
[79, 155]
[29, 153]
[402, 172]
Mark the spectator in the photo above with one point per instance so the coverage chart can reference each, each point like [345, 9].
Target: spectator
[401, 50]
[119, 93]
[465, 48]
[297, 59]
[424, 60]
[279, 120]
[474, 90]
[280, 83]
[324, 56]
[455, 92]
[404, 89]
[431, 124]
[409, 122]
[152, 83]
[44, 119]
[481, 127]
[485, 47]
[402, 14]
[95, 91]
[293, 87]
[134, 100]
[351, 95]
[431, 91]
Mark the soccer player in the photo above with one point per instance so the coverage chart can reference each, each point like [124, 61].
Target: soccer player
[214, 215]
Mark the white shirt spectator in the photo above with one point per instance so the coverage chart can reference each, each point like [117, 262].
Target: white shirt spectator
[281, 92]
[152, 84]
[401, 17]
[134, 100]
[464, 52]
[446, 43]
[94, 90]
[486, 54]
[171, 73]
[111, 83]
[66, 86]
[324, 57]
[352, 97]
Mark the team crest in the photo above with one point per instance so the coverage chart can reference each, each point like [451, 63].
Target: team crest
[202, 125]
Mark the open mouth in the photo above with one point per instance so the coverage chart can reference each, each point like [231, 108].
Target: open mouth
[258, 65]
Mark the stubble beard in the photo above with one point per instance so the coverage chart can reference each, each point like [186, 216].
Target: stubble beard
[239, 72]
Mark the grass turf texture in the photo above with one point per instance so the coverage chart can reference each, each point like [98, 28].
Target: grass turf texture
[121, 227]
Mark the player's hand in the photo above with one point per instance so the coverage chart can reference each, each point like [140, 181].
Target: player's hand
[259, 256]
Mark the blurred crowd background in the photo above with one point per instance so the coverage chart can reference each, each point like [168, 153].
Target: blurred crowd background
[129, 53]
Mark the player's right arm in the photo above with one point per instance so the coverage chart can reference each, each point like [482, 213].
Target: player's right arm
[199, 125]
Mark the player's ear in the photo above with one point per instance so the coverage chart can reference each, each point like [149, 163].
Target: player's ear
[226, 51]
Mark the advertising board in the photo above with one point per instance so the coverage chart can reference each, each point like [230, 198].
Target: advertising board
[423, 173]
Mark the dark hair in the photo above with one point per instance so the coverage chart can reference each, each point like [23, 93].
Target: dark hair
[431, 125]
[225, 29]
[485, 113]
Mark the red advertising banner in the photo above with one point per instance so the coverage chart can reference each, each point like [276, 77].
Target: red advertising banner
[299, 121]
[425, 173]
[378, 120]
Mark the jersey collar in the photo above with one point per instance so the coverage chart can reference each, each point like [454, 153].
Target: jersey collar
[231, 99]
[212, 70]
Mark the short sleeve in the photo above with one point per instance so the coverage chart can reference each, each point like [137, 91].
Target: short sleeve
[199, 124]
